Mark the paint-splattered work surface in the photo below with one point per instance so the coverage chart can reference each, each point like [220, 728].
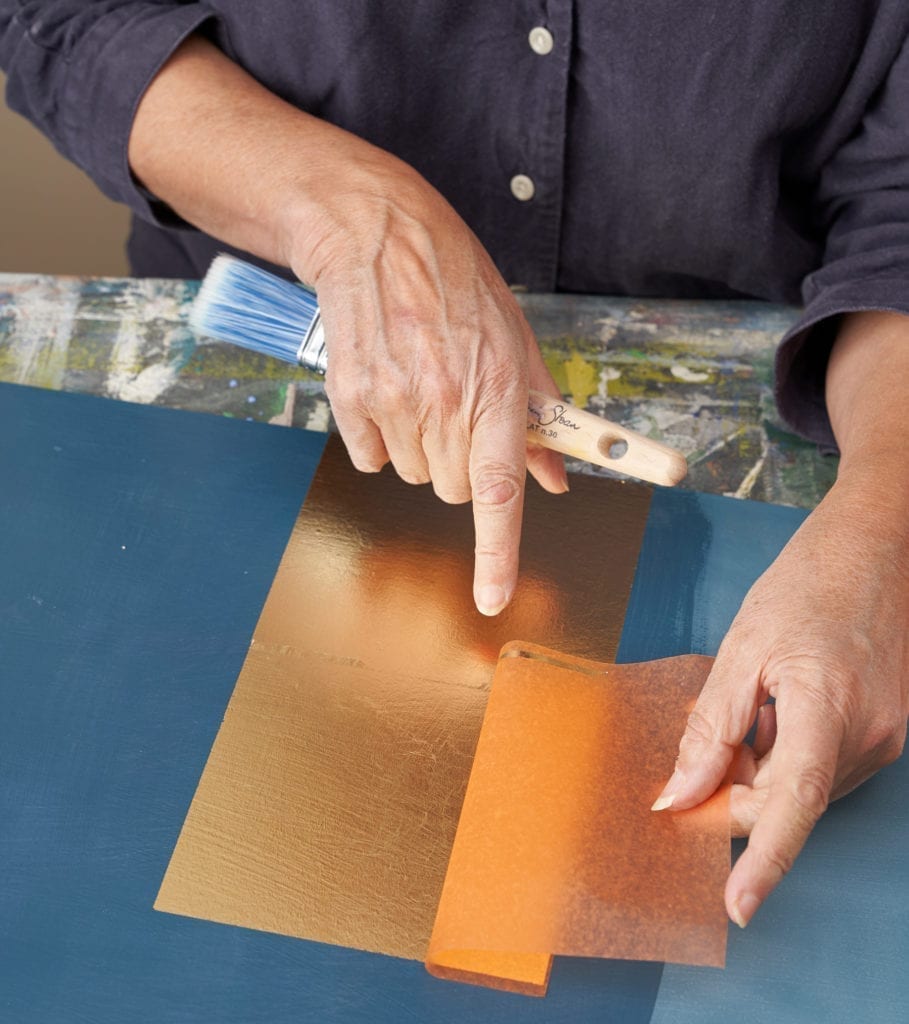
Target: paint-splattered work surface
[696, 375]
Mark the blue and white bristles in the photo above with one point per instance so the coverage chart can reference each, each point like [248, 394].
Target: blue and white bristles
[248, 306]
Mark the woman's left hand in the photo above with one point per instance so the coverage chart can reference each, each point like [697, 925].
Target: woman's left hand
[825, 632]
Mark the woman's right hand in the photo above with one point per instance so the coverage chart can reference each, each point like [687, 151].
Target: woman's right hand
[430, 357]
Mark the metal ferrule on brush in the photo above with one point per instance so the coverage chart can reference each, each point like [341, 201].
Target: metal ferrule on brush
[312, 353]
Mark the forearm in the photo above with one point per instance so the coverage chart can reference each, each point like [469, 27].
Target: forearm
[867, 393]
[240, 163]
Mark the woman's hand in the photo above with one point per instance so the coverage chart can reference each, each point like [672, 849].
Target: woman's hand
[825, 631]
[430, 357]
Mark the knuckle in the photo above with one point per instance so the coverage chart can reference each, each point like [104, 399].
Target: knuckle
[699, 731]
[381, 387]
[413, 476]
[341, 395]
[777, 858]
[440, 394]
[367, 463]
[408, 459]
[891, 751]
[497, 487]
[499, 395]
[834, 695]
[506, 378]
[386, 399]
[838, 696]
[344, 391]
[810, 792]
[887, 738]
[366, 456]
[450, 494]
[896, 743]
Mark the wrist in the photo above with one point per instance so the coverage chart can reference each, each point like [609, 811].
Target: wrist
[875, 514]
[352, 201]
[241, 164]
[867, 382]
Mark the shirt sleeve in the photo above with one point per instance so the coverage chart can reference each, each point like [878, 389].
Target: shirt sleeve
[864, 201]
[77, 71]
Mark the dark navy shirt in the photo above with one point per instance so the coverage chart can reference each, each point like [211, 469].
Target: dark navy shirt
[705, 148]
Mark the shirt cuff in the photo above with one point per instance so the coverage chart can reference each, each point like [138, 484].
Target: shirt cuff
[803, 354]
[128, 47]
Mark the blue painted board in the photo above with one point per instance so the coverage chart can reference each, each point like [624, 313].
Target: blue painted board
[137, 546]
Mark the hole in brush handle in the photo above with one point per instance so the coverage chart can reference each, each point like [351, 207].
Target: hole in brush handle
[612, 447]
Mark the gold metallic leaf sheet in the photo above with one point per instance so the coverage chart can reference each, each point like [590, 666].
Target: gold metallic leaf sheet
[330, 799]
[557, 850]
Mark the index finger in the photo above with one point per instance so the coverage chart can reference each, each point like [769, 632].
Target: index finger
[497, 474]
[803, 762]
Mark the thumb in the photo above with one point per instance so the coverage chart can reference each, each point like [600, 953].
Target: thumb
[718, 723]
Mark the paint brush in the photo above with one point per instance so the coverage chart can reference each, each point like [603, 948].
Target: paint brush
[248, 306]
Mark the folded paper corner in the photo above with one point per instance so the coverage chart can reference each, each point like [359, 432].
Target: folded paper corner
[524, 974]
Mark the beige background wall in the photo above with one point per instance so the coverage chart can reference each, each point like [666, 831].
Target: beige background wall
[53, 220]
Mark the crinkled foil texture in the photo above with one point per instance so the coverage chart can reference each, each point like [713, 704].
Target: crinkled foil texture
[329, 804]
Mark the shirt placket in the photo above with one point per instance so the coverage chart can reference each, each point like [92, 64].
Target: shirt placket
[535, 177]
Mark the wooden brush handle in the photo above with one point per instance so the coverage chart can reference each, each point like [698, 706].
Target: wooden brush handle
[556, 424]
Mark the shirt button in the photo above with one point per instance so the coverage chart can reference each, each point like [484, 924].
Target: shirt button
[522, 187]
[541, 41]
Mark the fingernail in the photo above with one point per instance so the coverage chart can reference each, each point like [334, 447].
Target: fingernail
[744, 908]
[563, 479]
[670, 792]
[491, 599]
